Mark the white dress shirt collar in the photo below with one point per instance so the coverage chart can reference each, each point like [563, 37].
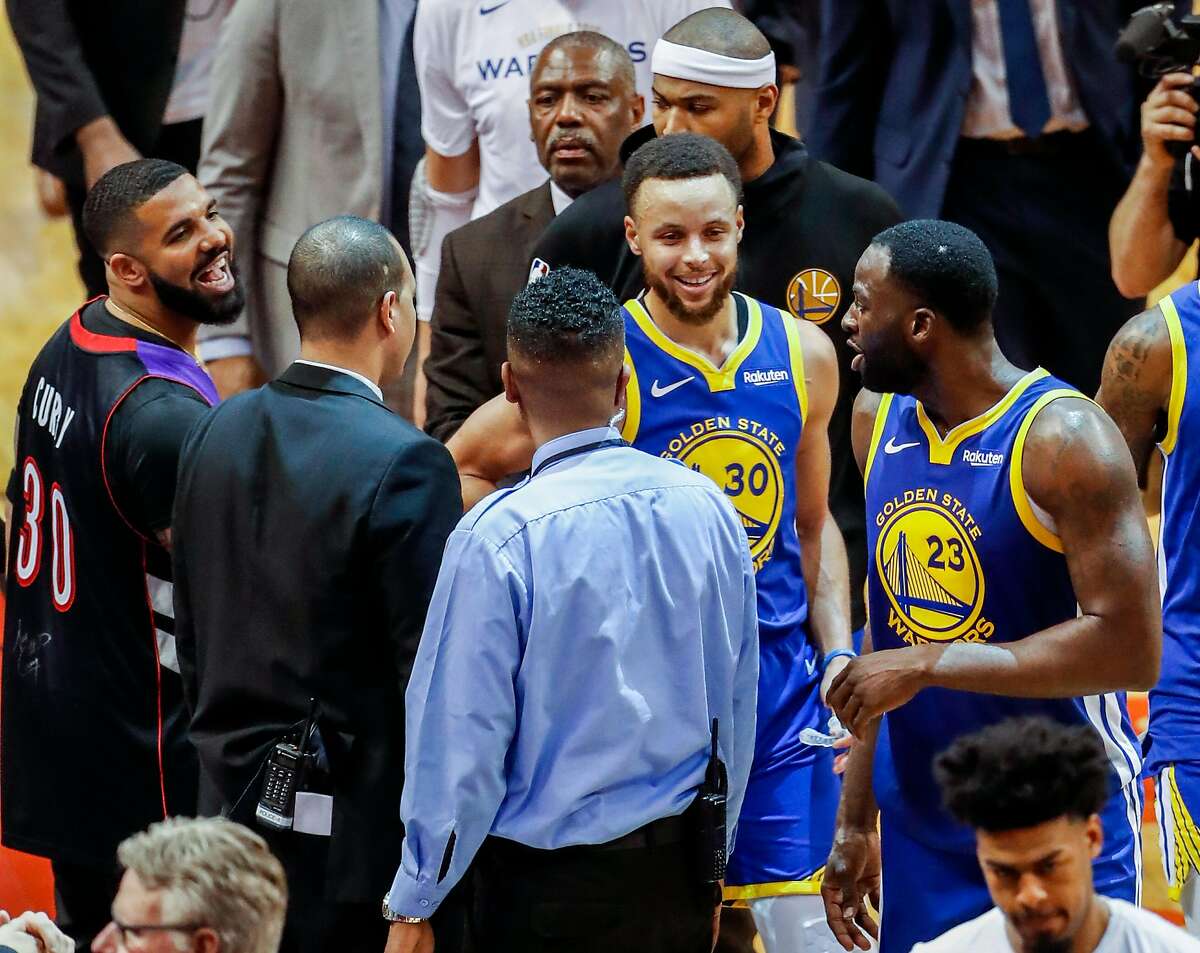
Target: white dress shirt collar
[558, 198]
[345, 370]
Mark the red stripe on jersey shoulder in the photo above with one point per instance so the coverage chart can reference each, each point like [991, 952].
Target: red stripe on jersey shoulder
[98, 343]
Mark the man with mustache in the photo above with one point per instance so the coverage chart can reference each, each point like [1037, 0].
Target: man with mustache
[740, 391]
[583, 102]
[94, 743]
[1033, 790]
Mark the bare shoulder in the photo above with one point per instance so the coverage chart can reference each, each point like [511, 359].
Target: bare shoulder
[1074, 452]
[1138, 362]
[862, 424]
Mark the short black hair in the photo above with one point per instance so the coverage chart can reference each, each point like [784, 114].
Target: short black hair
[339, 270]
[719, 30]
[684, 155]
[567, 316]
[122, 190]
[1023, 772]
[597, 42]
[945, 264]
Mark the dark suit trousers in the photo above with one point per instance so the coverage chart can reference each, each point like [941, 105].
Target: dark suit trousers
[178, 142]
[1045, 220]
[589, 900]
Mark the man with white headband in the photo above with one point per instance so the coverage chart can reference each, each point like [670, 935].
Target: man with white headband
[806, 222]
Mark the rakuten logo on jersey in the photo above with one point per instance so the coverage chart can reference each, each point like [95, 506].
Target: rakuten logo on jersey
[759, 378]
[983, 458]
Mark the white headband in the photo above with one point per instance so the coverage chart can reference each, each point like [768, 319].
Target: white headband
[701, 66]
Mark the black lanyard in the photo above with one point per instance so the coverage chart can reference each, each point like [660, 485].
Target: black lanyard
[576, 451]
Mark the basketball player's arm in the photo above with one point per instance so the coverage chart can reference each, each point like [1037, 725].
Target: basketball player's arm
[1135, 388]
[822, 549]
[492, 443]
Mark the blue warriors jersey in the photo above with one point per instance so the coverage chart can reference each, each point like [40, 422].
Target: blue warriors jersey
[959, 552]
[740, 425]
[1175, 701]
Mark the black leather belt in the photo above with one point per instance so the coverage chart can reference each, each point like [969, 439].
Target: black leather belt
[660, 833]
[1050, 144]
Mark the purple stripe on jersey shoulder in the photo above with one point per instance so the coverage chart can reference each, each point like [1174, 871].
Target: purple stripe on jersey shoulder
[169, 362]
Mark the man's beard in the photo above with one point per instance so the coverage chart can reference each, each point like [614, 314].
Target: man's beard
[198, 306]
[890, 368]
[680, 310]
[1049, 944]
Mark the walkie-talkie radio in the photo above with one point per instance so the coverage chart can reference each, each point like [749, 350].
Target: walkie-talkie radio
[285, 769]
[708, 818]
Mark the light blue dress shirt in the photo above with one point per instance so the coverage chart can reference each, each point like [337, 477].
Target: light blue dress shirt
[586, 627]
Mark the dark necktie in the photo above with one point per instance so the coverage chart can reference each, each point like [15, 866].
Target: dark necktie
[1028, 100]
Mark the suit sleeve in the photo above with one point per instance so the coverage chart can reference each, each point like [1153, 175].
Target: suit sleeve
[67, 92]
[416, 506]
[240, 131]
[856, 49]
[456, 370]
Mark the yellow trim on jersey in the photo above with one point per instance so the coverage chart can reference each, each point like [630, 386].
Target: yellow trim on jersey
[881, 412]
[941, 449]
[1178, 373]
[1016, 479]
[810, 886]
[633, 402]
[1185, 834]
[796, 353]
[718, 379]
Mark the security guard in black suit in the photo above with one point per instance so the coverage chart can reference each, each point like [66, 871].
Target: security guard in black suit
[310, 523]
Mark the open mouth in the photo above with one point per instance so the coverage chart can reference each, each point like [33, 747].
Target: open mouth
[857, 360]
[694, 285]
[216, 276]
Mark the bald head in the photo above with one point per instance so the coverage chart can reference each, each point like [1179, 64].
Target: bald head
[339, 272]
[718, 30]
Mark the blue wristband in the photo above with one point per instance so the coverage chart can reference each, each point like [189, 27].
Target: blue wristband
[837, 653]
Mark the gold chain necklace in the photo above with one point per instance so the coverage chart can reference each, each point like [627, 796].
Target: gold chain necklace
[127, 315]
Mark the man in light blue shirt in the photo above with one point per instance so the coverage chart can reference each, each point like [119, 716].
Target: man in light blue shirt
[586, 628]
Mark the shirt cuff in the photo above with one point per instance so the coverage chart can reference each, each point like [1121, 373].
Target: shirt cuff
[228, 345]
[409, 898]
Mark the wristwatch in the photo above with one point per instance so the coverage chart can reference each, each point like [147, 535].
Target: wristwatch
[392, 917]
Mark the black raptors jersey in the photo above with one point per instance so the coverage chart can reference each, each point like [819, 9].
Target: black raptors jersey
[93, 744]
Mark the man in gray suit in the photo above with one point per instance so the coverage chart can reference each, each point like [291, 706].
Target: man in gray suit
[313, 108]
[583, 102]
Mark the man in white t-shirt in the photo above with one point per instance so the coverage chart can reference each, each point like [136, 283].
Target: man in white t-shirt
[473, 60]
[1033, 789]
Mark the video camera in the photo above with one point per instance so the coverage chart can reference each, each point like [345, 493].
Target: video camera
[1157, 44]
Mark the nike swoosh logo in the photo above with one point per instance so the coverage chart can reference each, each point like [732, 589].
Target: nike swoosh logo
[892, 447]
[484, 11]
[657, 391]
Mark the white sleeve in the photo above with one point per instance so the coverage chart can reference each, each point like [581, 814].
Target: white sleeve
[432, 215]
[446, 123]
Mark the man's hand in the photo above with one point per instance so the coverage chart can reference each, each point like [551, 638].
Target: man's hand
[33, 933]
[103, 146]
[1168, 115]
[875, 684]
[232, 375]
[410, 938]
[832, 668]
[852, 876]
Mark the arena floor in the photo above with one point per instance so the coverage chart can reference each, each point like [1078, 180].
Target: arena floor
[39, 288]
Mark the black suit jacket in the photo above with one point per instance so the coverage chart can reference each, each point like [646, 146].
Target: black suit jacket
[89, 58]
[894, 80]
[308, 528]
[484, 264]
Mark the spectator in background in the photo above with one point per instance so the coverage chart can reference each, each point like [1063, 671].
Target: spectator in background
[583, 102]
[1033, 790]
[207, 881]
[314, 114]
[1011, 117]
[1159, 214]
[473, 65]
[794, 29]
[115, 80]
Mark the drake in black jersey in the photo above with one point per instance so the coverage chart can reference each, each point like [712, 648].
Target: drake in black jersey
[93, 735]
